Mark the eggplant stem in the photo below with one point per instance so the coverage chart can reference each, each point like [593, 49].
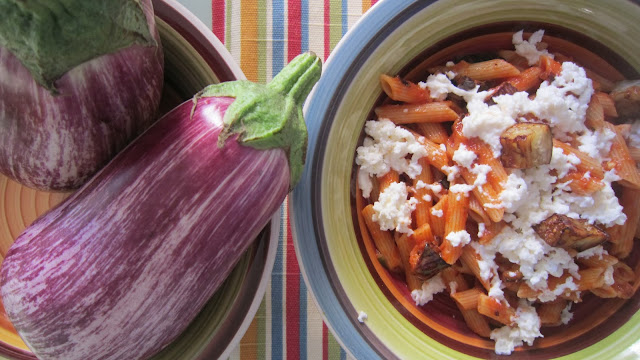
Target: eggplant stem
[267, 117]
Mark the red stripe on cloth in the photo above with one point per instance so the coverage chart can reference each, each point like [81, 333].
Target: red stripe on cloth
[218, 19]
[325, 342]
[293, 298]
[373, 2]
[327, 28]
[294, 29]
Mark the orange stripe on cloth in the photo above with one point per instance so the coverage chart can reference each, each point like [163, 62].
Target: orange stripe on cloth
[249, 342]
[249, 39]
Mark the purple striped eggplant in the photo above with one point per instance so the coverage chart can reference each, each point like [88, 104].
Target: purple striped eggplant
[78, 81]
[121, 267]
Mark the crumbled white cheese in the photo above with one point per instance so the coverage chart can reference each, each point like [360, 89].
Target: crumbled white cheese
[362, 316]
[451, 171]
[550, 295]
[487, 122]
[461, 189]
[566, 314]
[528, 48]
[393, 209]
[525, 330]
[429, 288]
[436, 188]
[481, 171]
[598, 251]
[481, 229]
[515, 191]
[386, 147]
[596, 144]
[633, 137]
[562, 104]
[536, 258]
[437, 212]
[458, 238]
[464, 157]
[453, 287]
[608, 276]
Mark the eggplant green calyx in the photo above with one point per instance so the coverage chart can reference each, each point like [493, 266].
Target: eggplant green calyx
[270, 116]
[51, 37]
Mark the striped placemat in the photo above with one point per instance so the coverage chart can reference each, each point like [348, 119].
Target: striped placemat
[262, 36]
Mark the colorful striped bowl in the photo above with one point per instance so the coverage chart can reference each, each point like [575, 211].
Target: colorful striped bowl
[394, 37]
[194, 58]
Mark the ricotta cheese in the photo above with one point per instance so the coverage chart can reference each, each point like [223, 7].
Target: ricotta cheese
[525, 330]
[393, 209]
[429, 288]
[464, 157]
[459, 238]
[529, 48]
[387, 147]
[633, 137]
[362, 316]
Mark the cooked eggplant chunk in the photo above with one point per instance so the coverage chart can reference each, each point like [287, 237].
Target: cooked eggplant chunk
[563, 231]
[503, 89]
[626, 95]
[526, 145]
[429, 263]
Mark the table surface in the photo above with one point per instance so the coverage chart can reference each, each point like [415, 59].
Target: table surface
[262, 36]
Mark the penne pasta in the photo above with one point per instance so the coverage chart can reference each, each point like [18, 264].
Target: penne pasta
[635, 153]
[489, 70]
[595, 114]
[454, 227]
[596, 261]
[383, 240]
[477, 212]
[607, 103]
[434, 132]
[405, 244]
[470, 258]
[491, 229]
[622, 236]
[424, 196]
[387, 179]
[549, 66]
[467, 299]
[431, 112]
[514, 58]
[497, 310]
[550, 313]
[528, 79]
[590, 278]
[436, 156]
[399, 89]
[437, 216]
[622, 161]
[582, 183]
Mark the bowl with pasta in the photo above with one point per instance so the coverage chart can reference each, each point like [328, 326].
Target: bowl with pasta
[471, 188]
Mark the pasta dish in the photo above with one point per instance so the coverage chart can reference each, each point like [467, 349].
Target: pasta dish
[509, 183]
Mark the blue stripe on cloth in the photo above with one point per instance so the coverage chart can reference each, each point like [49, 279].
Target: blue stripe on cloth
[278, 36]
[304, 26]
[277, 279]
